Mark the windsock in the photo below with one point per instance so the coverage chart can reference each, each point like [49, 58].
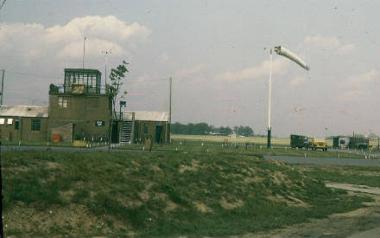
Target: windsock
[280, 50]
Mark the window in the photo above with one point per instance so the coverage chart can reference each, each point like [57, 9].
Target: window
[2, 121]
[10, 121]
[63, 102]
[145, 129]
[36, 124]
[17, 124]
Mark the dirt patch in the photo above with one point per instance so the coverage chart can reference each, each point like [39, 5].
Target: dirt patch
[75, 220]
[67, 195]
[230, 204]
[156, 169]
[354, 188]
[144, 196]
[289, 200]
[193, 167]
[280, 178]
[201, 207]
[170, 205]
[53, 165]
[253, 180]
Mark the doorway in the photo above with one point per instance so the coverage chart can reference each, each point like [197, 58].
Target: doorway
[158, 134]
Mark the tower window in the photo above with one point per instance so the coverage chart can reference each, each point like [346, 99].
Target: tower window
[63, 102]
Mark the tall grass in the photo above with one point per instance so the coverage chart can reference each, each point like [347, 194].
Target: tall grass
[155, 194]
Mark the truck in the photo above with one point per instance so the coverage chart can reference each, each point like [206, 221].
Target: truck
[298, 141]
[341, 142]
[351, 142]
[359, 143]
[317, 144]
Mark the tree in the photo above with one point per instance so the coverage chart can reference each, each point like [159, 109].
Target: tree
[243, 131]
[117, 77]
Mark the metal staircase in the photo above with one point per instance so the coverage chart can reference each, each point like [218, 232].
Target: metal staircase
[126, 132]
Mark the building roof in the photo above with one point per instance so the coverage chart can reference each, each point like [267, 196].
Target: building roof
[23, 111]
[81, 70]
[147, 116]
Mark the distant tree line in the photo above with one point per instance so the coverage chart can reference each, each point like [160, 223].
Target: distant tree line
[205, 129]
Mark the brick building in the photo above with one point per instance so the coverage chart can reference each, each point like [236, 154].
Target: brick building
[80, 109]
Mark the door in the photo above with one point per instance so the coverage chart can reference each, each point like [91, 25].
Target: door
[115, 132]
[158, 134]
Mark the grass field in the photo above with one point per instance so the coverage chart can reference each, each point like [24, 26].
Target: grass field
[261, 140]
[252, 139]
[258, 150]
[195, 191]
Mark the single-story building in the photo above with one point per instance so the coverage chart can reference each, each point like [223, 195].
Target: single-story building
[137, 126]
[23, 123]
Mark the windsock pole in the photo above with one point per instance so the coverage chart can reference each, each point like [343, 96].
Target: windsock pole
[269, 138]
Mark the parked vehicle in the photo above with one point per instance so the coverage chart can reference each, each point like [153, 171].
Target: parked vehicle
[317, 144]
[353, 142]
[341, 142]
[298, 141]
[359, 142]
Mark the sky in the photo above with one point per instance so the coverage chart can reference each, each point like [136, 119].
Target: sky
[216, 51]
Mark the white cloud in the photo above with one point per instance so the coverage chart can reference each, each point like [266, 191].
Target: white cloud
[36, 40]
[330, 43]
[297, 81]
[257, 72]
[93, 48]
[358, 86]
[188, 73]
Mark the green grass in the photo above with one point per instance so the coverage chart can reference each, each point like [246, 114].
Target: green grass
[162, 194]
[241, 149]
[352, 175]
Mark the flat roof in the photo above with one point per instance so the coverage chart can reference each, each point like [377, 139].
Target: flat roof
[147, 116]
[81, 70]
[23, 111]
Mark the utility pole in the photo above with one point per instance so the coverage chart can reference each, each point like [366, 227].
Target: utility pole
[84, 51]
[2, 87]
[106, 53]
[170, 108]
[269, 137]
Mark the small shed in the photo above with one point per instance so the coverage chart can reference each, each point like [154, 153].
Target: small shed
[141, 125]
[23, 123]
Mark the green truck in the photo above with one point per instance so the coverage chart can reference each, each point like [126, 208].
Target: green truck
[352, 142]
[299, 141]
[358, 142]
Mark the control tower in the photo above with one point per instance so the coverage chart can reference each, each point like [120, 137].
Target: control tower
[80, 109]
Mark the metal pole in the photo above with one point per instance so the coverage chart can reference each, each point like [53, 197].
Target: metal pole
[170, 108]
[2, 87]
[120, 111]
[269, 137]
[1, 193]
[105, 72]
[106, 53]
[84, 50]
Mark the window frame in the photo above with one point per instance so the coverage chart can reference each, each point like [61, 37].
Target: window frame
[63, 102]
[35, 124]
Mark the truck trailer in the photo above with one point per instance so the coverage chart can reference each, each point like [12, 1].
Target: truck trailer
[298, 141]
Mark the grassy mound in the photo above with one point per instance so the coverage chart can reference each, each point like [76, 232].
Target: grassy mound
[163, 194]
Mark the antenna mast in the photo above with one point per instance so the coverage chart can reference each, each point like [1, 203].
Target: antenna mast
[84, 51]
